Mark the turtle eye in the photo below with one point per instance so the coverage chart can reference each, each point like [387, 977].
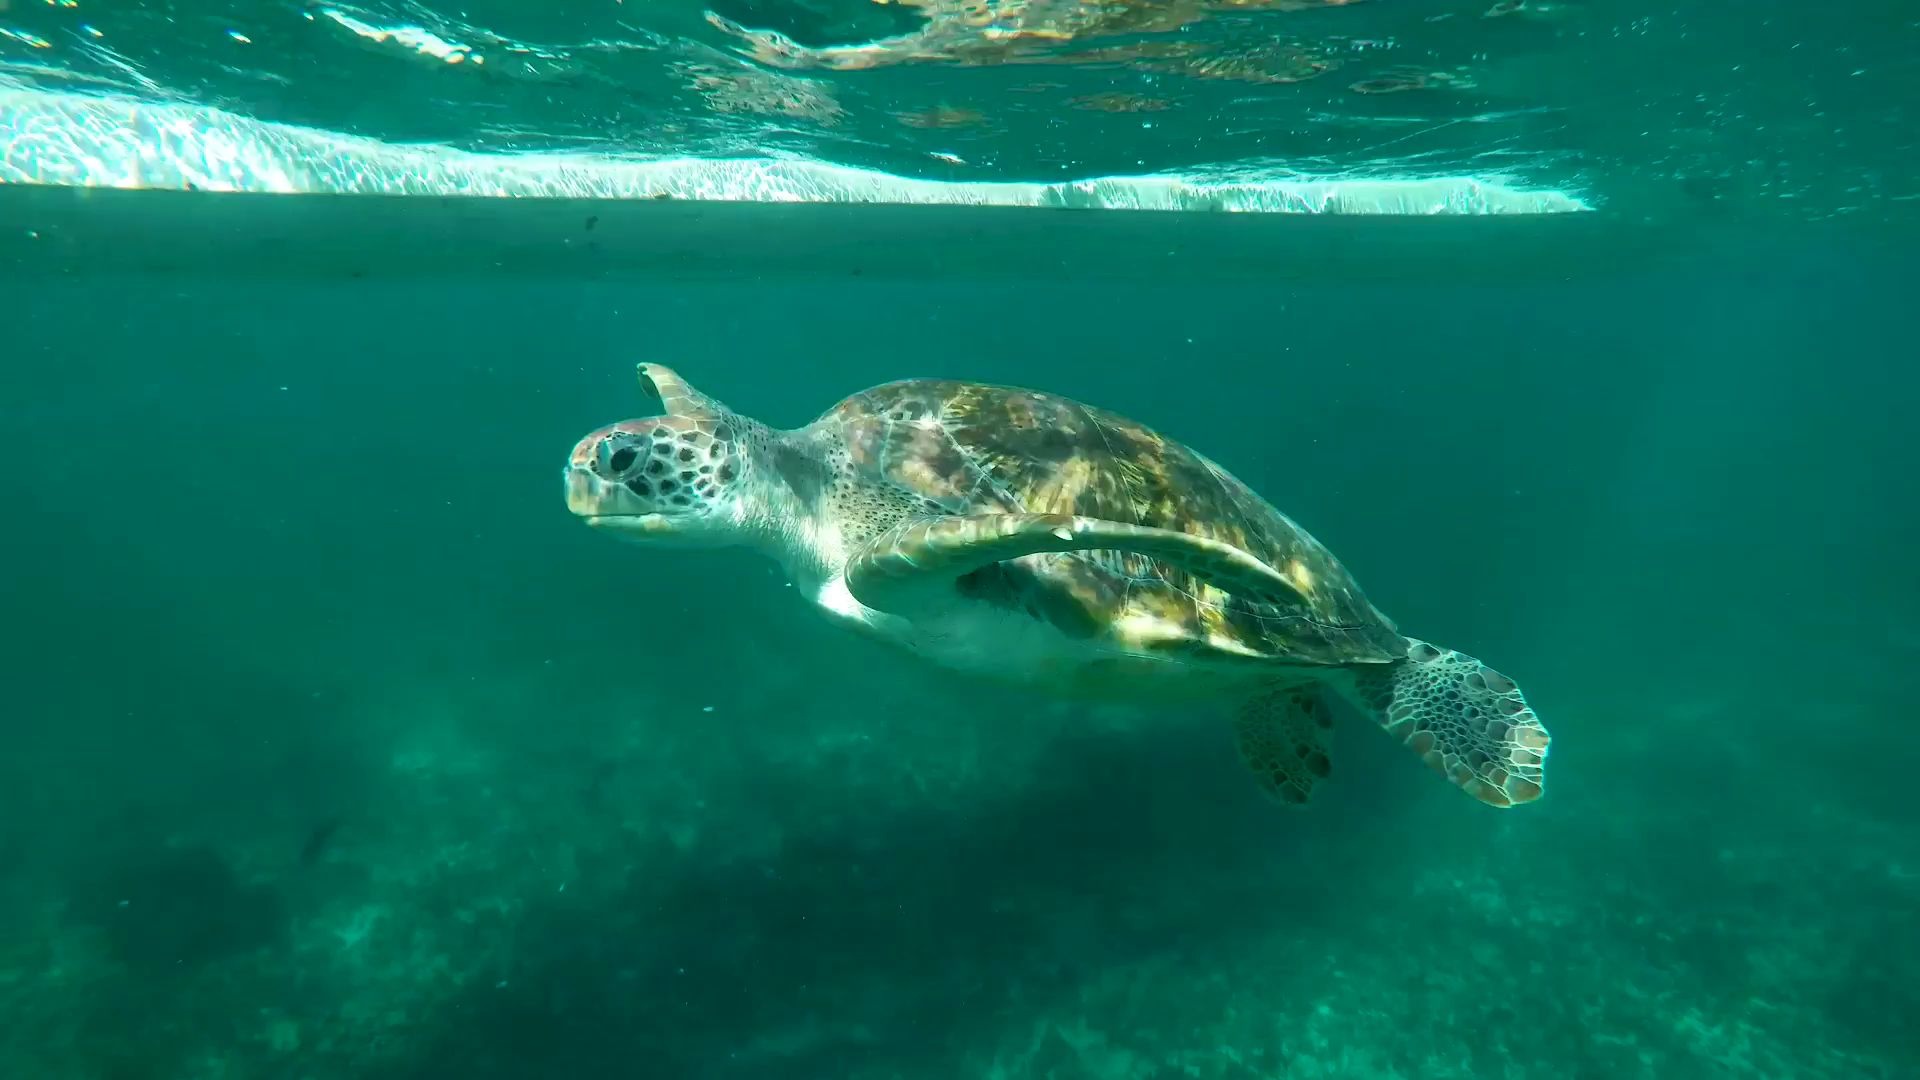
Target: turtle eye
[622, 459]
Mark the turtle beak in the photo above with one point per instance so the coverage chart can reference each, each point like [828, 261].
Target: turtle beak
[607, 507]
[637, 526]
[591, 494]
[597, 503]
[586, 493]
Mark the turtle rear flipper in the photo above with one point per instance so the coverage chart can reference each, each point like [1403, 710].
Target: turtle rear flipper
[920, 559]
[1467, 721]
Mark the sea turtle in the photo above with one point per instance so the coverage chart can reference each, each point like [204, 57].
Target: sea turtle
[1025, 537]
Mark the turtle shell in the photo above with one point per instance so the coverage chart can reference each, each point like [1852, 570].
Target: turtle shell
[937, 446]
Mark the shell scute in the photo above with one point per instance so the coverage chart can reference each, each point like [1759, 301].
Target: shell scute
[971, 448]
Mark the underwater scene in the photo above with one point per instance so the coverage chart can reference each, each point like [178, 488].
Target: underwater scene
[1002, 539]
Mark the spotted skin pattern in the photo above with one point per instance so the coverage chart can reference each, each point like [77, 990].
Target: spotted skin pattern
[693, 456]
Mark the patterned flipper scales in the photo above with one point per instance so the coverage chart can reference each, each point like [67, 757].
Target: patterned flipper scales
[1467, 721]
[1285, 737]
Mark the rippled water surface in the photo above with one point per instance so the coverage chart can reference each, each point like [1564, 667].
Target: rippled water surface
[1787, 106]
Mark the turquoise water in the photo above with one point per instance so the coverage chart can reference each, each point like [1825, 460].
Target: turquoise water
[334, 746]
[1781, 108]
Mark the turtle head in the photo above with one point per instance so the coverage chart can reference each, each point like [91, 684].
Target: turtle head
[684, 478]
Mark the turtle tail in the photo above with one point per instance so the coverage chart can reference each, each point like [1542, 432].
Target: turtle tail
[1467, 721]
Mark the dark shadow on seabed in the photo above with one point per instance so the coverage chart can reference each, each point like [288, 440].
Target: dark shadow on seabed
[896, 939]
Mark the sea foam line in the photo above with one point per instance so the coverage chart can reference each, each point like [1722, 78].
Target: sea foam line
[91, 140]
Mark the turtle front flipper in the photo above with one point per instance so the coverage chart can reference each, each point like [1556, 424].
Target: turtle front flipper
[1468, 722]
[920, 559]
[677, 396]
[1284, 736]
